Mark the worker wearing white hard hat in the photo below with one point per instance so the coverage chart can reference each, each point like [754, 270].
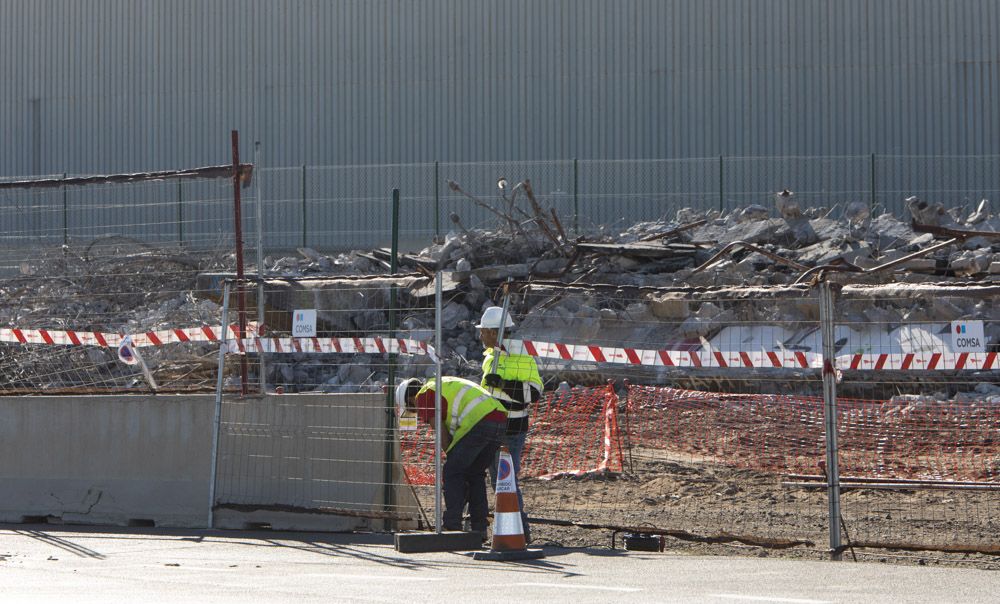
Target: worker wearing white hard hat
[515, 383]
[492, 318]
[472, 428]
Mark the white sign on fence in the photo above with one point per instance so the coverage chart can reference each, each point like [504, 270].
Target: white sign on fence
[304, 323]
[968, 336]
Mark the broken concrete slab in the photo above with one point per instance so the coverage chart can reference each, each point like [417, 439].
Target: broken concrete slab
[888, 232]
[826, 252]
[971, 262]
[673, 307]
[426, 288]
[925, 212]
[496, 273]
[787, 205]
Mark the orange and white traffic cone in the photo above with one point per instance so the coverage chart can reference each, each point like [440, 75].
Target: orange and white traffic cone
[508, 531]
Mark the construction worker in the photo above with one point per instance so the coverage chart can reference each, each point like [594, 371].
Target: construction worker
[472, 429]
[515, 383]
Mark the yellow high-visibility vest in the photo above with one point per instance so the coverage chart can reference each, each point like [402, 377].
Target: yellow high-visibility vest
[467, 403]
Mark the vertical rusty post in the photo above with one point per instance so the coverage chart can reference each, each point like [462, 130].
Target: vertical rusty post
[240, 291]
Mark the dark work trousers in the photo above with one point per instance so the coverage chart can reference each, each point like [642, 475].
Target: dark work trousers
[465, 475]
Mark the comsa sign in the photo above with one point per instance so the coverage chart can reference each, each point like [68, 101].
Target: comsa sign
[968, 336]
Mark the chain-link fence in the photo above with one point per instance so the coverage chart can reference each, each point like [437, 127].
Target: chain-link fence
[348, 207]
[697, 414]
[917, 417]
[100, 284]
[705, 415]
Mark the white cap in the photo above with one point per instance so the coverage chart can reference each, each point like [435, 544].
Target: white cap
[491, 319]
[401, 394]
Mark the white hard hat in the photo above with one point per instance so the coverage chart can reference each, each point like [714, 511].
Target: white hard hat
[401, 394]
[491, 319]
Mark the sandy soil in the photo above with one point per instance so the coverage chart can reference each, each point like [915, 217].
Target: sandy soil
[707, 507]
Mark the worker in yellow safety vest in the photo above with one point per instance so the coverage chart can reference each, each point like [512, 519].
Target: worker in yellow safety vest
[516, 384]
[472, 428]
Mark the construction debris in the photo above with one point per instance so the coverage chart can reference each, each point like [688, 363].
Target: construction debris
[144, 288]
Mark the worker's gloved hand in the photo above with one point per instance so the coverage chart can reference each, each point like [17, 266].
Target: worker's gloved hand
[493, 380]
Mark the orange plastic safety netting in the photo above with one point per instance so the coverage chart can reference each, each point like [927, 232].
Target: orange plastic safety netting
[573, 432]
[907, 437]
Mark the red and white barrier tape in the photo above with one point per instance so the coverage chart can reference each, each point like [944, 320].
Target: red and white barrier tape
[925, 361]
[160, 337]
[784, 359]
[208, 333]
[337, 345]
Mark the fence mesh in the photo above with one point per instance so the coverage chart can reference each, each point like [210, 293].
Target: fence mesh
[330, 453]
[87, 266]
[712, 428]
[346, 207]
[918, 428]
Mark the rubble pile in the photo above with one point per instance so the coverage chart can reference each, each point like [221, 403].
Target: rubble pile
[111, 285]
[597, 290]
[580, 288]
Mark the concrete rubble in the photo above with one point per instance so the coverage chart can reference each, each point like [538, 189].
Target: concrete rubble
[584, 289]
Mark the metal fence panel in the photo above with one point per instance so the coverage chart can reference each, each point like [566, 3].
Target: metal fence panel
[917, 419]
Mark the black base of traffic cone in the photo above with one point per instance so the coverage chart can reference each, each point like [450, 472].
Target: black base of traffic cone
[509, 556]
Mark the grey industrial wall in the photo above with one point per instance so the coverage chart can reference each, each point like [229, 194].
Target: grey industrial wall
[118, 85]
[128, 459]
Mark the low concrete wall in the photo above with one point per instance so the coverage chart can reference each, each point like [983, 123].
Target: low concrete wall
[106, 460]
[124, 460]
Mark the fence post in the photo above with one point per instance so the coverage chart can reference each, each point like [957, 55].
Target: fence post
[722, 187]
[304, 206]
[238, 233]
[826, 317]
[180, 213]
[217, 420]
[260, 263]
[874, 198]
[438, 475]
[65, 214]
[390, 461]
[576, 197]
[437, 201]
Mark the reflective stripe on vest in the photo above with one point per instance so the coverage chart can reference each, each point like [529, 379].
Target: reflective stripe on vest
[459, 412]
[468, 408]
[513, 367]
[502, 396]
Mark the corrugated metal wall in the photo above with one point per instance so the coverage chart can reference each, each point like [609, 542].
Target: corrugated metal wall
[114, 85]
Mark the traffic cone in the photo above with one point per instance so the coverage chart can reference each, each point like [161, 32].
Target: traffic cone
[508, 531]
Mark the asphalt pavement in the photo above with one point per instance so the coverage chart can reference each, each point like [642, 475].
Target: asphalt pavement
[45, 563]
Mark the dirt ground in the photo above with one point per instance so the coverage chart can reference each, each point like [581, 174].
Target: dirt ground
[709, 508]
